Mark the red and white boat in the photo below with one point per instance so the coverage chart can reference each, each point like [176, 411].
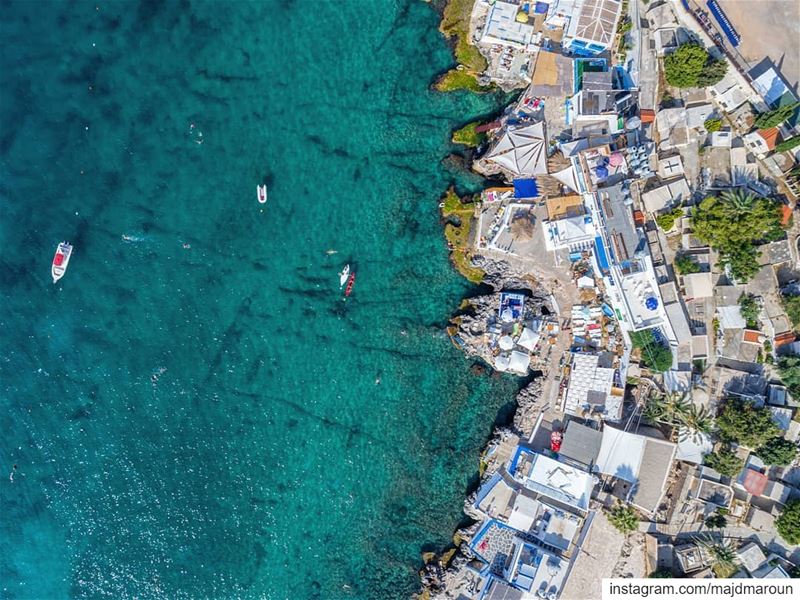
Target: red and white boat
[350, 283]
[262, 194]
[60, 261]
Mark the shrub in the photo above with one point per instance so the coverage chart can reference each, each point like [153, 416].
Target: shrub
[667, 220]
[713, 124]
[624, 518]
[724, 462]
[748, 306]
[788, 524]
[740, 421]
[655, 355]
[660, 574]
[686, 265]
[778, 451]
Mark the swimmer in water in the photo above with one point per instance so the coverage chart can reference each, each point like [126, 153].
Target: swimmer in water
[11, 475]
[186, 246]
[329, 252]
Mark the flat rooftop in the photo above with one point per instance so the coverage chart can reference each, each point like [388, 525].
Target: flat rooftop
[557, 480]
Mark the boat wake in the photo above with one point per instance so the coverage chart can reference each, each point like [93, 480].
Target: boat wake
[133, 239]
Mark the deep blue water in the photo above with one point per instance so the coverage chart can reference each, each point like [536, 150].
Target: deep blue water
[193, 409]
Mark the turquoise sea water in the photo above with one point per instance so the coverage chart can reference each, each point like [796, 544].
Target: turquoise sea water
[213, 420]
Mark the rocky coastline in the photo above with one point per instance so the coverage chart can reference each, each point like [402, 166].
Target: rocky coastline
[442, 574]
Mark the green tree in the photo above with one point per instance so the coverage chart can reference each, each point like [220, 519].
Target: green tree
[777, 451]
[788, 144]
[624, 518]
[789, 371]
[788, 524]
[791, 304]
[740, 421]
[713, 124]
[773, 118]
[667, 220]
[716, 521]
[733, 224]
[660, 574]
[683, 67]
[655, 356]
[712, 73]
[686, 265]
[750, 309]
[724, 462]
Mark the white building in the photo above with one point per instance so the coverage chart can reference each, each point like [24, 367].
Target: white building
[592, 30]
[503, 28]
[591, 387]
[573, 233]
[666, 196]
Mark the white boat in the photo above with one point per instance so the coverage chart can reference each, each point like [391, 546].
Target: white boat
[60, 261]
[262, 193]
[344, 275]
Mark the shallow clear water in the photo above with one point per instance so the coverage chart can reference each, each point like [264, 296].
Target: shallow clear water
[214, 420]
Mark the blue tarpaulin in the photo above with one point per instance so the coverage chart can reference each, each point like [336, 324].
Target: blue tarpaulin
[724, 23]
[602, 259]
[541, 8]
[525, 188]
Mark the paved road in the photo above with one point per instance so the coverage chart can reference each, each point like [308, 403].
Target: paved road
[641, 62]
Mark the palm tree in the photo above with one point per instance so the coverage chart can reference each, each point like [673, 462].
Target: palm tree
[738, 201]
[668, 409]
[654, 409]
[624, 518]
[696, 423]
[676, 405]
[721, 552]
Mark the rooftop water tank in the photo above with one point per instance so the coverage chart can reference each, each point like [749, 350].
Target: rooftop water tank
[633, 123]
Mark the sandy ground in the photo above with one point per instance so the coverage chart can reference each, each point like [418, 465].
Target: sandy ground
[769, 29]
[605, 553]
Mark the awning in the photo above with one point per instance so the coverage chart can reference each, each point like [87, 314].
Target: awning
[521, 150]
[525, 188]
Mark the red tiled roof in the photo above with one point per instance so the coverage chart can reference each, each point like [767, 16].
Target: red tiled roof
[786, 215]
[638, 217]
[754, 482]
[770, 136]
[787, 337]
[647, 115]
[752, 336]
